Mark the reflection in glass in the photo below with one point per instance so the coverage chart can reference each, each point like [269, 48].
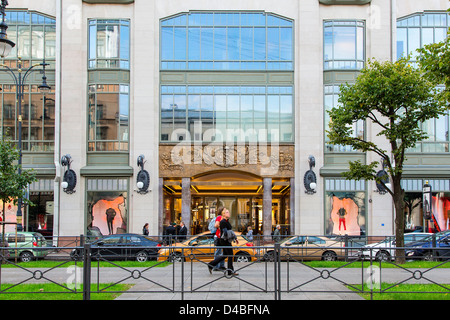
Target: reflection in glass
[344, 44]
[226, 41]
[109, 44]
[345, 213]
[228, 110]
[107, 211]
[108, 118]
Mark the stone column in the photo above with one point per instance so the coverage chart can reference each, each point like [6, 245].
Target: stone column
[267, 206]
[186, 203]
[292, 211]
[160, 205]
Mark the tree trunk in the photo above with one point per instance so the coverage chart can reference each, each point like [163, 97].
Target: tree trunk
[399, 205]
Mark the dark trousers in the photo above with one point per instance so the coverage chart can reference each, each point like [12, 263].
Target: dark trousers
[227, 253]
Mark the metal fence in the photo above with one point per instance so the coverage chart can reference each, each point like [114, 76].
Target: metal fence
[266, 269]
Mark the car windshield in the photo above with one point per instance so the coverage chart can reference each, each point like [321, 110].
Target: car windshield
[244, 237]
[437, 235]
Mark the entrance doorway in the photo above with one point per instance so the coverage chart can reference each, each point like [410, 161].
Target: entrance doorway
[240, 193]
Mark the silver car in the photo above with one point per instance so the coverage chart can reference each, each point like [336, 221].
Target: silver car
[385, 250]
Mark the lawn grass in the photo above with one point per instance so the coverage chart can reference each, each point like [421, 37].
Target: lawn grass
[51, 291]
[102, 264]
[389, 291]
[357, 264]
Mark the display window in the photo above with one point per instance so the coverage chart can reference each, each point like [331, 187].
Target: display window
[107, 210]
[345, 207]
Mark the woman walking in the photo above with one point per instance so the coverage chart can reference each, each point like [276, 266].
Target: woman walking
[225, 227]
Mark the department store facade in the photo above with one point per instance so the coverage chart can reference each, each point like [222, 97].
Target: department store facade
[226, 102]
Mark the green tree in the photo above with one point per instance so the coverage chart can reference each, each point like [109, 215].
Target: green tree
[434, 60]
[394, 99]
[12, 184]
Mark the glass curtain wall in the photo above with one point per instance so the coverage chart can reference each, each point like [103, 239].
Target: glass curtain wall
[227, 113]
[414, 32]
[226, 41]
[109, 44]
[35, 38]
[344, 45]
[108, 118]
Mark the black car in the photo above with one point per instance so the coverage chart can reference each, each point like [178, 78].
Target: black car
[124, 246]
[425, 249]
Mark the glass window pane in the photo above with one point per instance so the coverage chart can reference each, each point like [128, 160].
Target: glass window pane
[328, 43]
[360, 43]
[107, 109]
[123, 117]
[440, 34]
[273, 44]
[24, 42]
[179, 110]
[50, 42]
[402, 43]
[107, 41]
[259, 44]
[180, 44]
[220, 38]
[194, 43]
[413, 41]
[167, 43]
[233, 44]
[246, 43]
[207, 46]
[125, 42]
[344, 43]
[286, 44]
[37, 42]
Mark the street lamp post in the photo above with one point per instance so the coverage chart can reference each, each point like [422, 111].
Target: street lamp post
[19, 81]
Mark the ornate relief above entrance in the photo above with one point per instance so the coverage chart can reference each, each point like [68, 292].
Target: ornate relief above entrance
[186, 160]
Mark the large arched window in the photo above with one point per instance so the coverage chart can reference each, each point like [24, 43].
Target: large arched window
[226, 41]
[238, 107]
[414, 32]
[35, 37]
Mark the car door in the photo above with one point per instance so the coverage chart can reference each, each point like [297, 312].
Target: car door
[132, 246]
[444, 247]
[293, 248]
[203, 248]
[111, 247]
[314, 248]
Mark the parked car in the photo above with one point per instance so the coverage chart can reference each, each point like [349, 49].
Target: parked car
[308, 248]
[203, 249]
[93, 234]
[27, 246]
[385, 250]
[4, 252]
[425, 249]
[122, 246]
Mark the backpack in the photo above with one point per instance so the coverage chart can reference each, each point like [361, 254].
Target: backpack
[211, 226]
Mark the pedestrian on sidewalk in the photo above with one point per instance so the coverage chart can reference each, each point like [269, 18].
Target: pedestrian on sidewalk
[225, 242]
[145, 230]
[218, 252]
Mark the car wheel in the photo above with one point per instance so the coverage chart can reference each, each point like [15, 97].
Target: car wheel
[242, 257]
[175, 257]
[428, 256]
[383, 256]
[26, 256]
[329, 256]
[142, 256]
[269, 256]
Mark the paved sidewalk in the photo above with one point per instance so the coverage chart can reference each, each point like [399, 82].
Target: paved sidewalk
[254, 282]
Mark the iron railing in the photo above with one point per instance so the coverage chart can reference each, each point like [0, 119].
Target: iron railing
[274, 270]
